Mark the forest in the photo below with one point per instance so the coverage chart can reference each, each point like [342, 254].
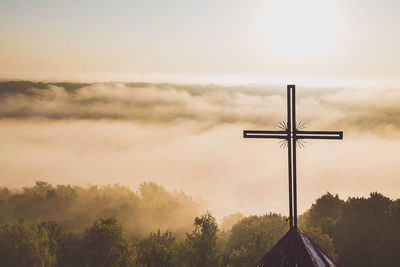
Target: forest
[65, 225]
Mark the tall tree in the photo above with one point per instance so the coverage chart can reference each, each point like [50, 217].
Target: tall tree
[56, 238]
[106, 245]
[201, 243]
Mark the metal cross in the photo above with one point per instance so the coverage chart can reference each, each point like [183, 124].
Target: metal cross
[291, 134]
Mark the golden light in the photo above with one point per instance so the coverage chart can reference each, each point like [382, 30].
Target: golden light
[303, 28]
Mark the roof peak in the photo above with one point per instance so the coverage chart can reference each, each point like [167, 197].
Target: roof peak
[295, 249]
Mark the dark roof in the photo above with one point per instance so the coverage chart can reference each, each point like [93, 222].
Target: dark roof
[295, 249]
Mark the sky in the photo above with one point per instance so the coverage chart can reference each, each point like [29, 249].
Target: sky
[230, 41]
[162, 91]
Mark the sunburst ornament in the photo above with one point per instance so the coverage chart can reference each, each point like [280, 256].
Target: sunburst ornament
[299, 127]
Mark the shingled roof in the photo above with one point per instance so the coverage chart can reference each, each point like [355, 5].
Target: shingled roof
[295, 249]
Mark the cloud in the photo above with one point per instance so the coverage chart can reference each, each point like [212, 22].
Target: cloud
[164, 104]
[141, 103]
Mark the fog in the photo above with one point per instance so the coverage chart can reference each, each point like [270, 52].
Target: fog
[189, 137]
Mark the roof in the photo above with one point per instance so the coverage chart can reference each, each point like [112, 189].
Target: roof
[295, 249]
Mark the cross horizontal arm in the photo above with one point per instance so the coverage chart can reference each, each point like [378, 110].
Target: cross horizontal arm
[265, 134]
[319, 135]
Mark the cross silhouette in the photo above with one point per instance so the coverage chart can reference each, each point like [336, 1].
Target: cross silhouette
[292, 135]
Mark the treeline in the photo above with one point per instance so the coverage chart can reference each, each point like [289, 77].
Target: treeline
[365, 231]
[104, 244]
[47, 225]
[75, 207]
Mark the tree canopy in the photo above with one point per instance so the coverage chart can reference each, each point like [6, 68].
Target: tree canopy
[63, 225]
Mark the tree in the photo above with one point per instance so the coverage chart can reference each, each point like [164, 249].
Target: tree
[364, 231]
[201, 243]
[158, 250]
[56, 239]
[324, 213]
[25, 244]
[73, 253]
[106, 245]
[223, 249]
[253, 236]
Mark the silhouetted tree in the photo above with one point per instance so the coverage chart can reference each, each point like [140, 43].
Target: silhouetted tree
[363, 232]
[325, 213]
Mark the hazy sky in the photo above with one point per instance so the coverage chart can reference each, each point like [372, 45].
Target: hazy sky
[182, 40]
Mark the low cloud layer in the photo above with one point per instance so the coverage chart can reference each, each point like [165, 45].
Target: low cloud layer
[139, 103]
[362, 110]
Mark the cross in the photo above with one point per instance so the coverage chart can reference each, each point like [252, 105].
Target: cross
[291, 134]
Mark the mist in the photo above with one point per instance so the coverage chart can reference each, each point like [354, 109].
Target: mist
[142, 211]
[189, 137]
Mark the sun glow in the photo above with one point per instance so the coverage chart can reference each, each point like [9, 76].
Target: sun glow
[300, 29]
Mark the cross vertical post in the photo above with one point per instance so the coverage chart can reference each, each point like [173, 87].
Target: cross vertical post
[292, 136]
[289, 142]
[294, 156]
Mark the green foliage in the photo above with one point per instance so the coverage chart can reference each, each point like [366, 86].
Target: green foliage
[325, 212]
[25, 244]
[365, 231]
[200, 245]
[253, 236]
[356, 232]
[106, 245]
[73, 253]
[158, 250]
[223, 248]
[56, 237]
